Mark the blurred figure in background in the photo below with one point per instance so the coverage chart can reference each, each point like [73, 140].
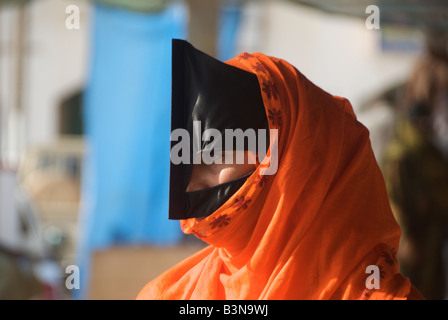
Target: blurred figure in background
[415, 167]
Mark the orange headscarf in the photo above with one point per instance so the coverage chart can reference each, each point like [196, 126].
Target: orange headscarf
[310, 230]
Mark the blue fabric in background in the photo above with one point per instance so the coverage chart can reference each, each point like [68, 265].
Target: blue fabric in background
[127, 121]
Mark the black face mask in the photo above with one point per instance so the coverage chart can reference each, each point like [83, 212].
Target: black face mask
[221, 97]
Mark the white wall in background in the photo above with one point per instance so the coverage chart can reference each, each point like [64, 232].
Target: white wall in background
[337, 53]
[55, 66]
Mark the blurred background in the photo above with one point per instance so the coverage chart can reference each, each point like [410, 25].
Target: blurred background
[85, 125]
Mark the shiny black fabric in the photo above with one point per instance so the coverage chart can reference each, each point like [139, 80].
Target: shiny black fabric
[221, 97]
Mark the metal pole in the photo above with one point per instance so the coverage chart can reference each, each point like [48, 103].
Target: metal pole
[2, 129]
[14, 115]
[203, 24]
[20, 65]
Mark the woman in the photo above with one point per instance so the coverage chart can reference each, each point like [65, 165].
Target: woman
[309, 230]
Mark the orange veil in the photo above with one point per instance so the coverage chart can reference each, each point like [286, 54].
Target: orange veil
[307, 232]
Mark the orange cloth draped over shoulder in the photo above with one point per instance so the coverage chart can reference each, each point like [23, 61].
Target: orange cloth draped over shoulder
[307, 232]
